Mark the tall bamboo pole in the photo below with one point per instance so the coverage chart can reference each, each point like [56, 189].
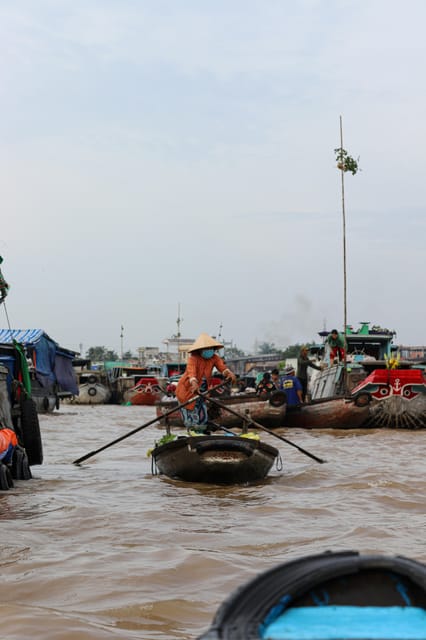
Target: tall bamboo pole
[345, 318]
[342, 171]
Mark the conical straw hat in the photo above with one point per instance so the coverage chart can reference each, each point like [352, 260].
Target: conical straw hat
[204, 341]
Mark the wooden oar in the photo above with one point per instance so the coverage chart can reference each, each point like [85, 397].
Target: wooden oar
[260, 426]
[147, 424]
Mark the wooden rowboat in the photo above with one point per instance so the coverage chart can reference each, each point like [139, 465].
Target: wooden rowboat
[329, 413]
[332, 595]
[217, 459]
[268, 412]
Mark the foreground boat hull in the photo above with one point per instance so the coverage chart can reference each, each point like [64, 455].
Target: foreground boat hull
[262, 411]
[360, 596]
[215, 459]
[333, 413]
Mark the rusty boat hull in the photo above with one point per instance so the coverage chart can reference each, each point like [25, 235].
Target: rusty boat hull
[329, 413]
[263, 411]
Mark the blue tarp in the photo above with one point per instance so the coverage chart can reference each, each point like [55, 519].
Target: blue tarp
[53, 364]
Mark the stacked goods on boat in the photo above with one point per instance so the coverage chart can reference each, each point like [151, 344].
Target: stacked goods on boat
[330, 595]
[396, 389]
[20, 438]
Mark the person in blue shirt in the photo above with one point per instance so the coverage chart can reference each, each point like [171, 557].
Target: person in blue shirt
[292, 386]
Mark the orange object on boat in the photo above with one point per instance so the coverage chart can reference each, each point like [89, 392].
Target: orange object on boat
[7, 438]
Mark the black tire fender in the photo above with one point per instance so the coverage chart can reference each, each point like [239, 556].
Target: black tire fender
[30, 432]
[6, 481]
[362, 399]
[278, 398]
[20, 466]
[46, 403]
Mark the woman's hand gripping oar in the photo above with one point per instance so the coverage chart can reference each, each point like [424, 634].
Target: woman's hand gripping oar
[260, 426]
[147, 424]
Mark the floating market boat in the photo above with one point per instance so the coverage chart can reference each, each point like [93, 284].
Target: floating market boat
[330, 413]
[124, 379]
[93, 386]
[50, 365]
[397, 388]
[215, 459]
[399, 398]
[268, 412]
[147, 391]
[331, 596]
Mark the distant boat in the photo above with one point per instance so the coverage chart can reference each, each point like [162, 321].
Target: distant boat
[397, 389]
[147, 391]
[93, 388]
[123, 379]
[340, 595]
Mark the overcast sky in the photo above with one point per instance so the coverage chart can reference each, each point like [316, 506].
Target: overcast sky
[164, 152]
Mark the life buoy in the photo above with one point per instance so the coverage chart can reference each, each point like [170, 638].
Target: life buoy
[92, 391]
[30, 431]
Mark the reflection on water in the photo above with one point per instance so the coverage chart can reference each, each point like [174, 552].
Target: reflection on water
[107, 550]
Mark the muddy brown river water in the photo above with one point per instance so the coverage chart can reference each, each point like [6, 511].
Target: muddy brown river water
[108, 550]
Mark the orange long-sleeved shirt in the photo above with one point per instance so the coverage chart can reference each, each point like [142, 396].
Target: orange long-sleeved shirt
[198, 368]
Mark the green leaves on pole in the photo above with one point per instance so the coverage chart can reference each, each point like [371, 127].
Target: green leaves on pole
[345, 162]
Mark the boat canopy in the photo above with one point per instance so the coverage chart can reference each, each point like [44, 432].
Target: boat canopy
[52, 363]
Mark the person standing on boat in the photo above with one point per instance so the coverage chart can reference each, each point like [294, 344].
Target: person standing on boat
[275, 378]
[201, 361]
[336, 342]
[265, 386]
[292, 387]
[303, 362]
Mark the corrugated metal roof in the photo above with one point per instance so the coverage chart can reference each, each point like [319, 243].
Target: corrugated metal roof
[23, 336]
